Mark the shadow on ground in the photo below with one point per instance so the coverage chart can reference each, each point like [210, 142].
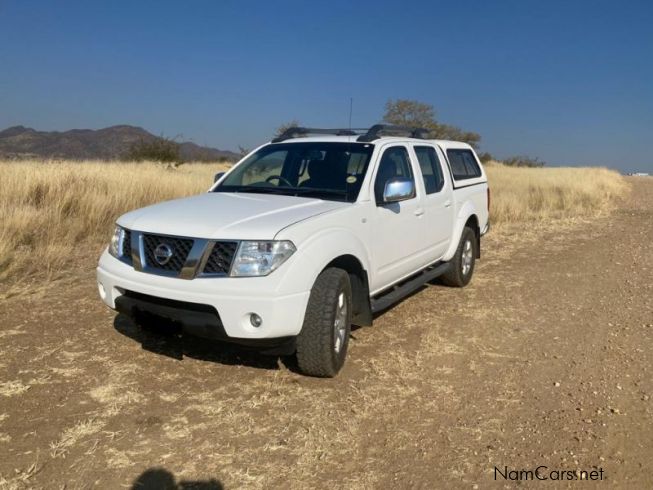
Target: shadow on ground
[168, 340]
[162, 479]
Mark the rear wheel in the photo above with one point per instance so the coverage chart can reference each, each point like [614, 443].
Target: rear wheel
[322, 343]
[462, 264]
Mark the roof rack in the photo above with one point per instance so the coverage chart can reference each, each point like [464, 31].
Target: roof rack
[379, 130]
[297, 132]
[365, 135]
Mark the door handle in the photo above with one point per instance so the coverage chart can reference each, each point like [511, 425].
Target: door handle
[419, 212]
[447, 204]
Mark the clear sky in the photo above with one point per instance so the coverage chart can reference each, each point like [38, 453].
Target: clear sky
[570, 82]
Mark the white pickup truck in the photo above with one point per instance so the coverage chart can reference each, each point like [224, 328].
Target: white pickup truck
[305, 236]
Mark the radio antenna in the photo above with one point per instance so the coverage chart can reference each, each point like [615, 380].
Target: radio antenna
[351, 108]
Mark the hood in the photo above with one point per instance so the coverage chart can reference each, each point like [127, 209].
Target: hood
[222, 215]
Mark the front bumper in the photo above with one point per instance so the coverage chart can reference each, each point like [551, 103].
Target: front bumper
[233, 299]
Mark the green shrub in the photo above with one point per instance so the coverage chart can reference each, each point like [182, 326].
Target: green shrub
[158, 149]
[523, 161]
[485, 157]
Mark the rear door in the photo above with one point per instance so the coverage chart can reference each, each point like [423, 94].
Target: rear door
[438, 199]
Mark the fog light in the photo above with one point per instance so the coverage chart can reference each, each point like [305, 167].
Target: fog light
[255, 320]
[100, 287]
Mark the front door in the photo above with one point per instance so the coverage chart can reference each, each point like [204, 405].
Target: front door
[398, 245]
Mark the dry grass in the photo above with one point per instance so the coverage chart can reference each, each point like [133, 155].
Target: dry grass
[53, 214]
[12, 388]
[73, 435]
[20, 479]
[542, 194]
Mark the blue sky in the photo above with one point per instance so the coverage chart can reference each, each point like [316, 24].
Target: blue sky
[570, 82]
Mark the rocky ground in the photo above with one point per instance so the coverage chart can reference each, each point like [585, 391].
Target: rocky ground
[546, 359]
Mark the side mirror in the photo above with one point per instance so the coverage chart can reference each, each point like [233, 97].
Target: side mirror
[398, 190]
[217, 177]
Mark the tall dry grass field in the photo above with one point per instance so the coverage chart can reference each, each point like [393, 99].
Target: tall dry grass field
[521, 194]
[52, 215]
[55, 216]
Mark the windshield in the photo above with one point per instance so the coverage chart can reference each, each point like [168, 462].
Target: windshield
[326, 170]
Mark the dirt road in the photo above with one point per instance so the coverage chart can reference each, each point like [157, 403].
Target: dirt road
[546, 359]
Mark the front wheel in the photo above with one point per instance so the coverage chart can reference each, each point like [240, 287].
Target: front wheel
[462, 264]
[322, 343]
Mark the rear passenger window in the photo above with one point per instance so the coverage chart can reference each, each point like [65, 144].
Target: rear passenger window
[463, 164]
[431, 169]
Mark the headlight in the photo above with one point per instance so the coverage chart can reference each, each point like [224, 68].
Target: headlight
[116, 241]
[260, 258]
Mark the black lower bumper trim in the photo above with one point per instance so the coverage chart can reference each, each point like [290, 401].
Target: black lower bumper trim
[195, 319]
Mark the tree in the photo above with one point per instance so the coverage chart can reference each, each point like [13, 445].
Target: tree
[405, 112]
[285, 126]
[157, 149]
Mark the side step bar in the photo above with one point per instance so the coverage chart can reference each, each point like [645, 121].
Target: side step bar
[385, 299]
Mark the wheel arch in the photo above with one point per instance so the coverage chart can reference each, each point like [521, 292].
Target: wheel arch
[362, 310]
[467, 216]
[334, 247]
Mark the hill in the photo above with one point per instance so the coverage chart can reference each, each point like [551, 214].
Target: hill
[19, 142]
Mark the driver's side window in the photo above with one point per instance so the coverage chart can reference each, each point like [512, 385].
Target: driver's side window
[394, 164]
[268, 166]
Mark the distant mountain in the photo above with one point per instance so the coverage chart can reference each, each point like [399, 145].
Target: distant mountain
[87, 144]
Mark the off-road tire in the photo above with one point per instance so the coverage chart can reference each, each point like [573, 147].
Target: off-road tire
[316, 343]
[456, 276]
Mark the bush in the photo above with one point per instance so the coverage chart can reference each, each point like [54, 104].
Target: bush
[485, 157]
[523, 161]
[158, 149]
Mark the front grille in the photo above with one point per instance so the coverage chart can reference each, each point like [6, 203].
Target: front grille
[180, 248]
[126, 251]
[219, 262]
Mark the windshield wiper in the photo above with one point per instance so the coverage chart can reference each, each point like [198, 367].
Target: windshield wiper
[254, 189]
[328, 192]
[286, 191]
